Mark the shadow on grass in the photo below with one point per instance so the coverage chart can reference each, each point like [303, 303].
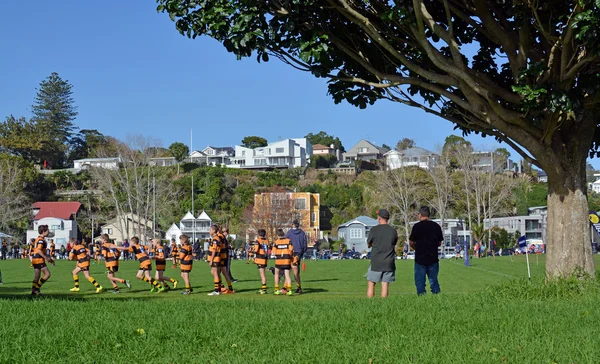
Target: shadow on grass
[313, 290]
[321, 280]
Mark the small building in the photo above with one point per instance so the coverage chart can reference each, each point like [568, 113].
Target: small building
[365, 151]
[355, 232]
[194, 227]
[542, 177]
[320, 149]
[129, 225]
[595, 186]
[61, 218]
[411, 157]
[106, 163]
[533, 226]
[287, 153]
[454, 231]
[277, 210]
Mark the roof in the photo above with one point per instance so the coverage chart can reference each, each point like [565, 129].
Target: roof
[320, 147]
[204, 216]
[364, 220]
[109, 159]
[416, 152]
[60, 210]
[220, 149]
[542, 173]
[188, 216]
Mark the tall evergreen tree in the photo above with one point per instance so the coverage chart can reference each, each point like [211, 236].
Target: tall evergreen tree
[54, 108]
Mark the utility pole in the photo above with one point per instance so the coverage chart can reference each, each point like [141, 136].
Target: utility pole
[153, 204]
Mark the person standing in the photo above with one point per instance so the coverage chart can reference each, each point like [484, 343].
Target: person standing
[196, 248]
[4, 249]
[225, 232]
[298, 239]
[39, 257]
[425, 238]
[80, 253]
[382, 240]
[260, 248]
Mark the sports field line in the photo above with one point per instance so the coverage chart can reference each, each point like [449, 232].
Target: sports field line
[489, 271]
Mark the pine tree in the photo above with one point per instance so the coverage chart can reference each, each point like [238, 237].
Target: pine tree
[54, 108]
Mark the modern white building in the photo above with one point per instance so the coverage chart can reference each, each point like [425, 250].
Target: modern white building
[61, 218]
[533, 226]
[194, 227]
[209, 156]
[288, 153]
[411, 157]
[106, 163]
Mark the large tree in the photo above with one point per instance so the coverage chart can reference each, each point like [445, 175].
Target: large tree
[254, 142]
[524, 72]
[325, 139]
[179, 151]
[54, 108]
[405, 143]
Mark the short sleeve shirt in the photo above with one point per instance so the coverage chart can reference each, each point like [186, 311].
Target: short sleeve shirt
[427, 235]
[383, 239]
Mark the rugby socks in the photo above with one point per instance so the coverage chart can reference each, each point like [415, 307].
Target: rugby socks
[172, 280]
[230, 287]
[91, 280]
[152, 281]
[276, 287]
[41, 282]
[76, 279]
[299, 286]
[35, 286]
[122, 281]
[217, 286]
[263, 287]
[188, 288]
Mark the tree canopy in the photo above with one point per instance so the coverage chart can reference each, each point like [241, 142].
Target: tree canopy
[254, 142]
[405, 143]
[525, 72]
[325, 139]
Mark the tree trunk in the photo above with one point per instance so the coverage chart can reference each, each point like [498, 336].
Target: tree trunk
[569, 250]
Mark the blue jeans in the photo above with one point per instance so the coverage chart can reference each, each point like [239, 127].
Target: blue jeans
[432, 273]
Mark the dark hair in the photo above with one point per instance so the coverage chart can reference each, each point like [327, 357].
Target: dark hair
[135, 240]
[424, 211]
[184, 238]
[280, 233]
[215, 228]
[262, 233]
[295, 223]
[42, 229]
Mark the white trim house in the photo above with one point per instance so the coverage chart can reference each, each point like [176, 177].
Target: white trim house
[411, 157]
[287, 153]
[194, 227]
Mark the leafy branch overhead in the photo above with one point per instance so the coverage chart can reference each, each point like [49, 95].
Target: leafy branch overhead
[523, 72]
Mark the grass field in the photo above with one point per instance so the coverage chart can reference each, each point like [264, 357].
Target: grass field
[475, 320]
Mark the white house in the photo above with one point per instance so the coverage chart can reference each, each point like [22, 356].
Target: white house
[106, 163]
[595, 186]
[61, 218]
[194, 227]
[411, 157]
[288, 153]
[128, 225]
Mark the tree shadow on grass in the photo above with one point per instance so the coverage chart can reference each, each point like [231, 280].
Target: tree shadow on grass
[313, 290]
[321, 280]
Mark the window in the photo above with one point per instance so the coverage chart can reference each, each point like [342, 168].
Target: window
[313, 217]
[278, 150]
[355, 233]
[363, 150]
[243, 153]
[300, 203]
[56, 227]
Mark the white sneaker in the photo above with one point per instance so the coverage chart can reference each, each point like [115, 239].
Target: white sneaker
[214, 293]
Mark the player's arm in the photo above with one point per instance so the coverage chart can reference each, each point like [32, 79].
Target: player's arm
[38, 250]
[71, 255]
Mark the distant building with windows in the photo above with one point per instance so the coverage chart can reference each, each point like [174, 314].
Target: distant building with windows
[533, 226]
[277, 210]
[194, 227]
[208, 156]
[365, 151]
[287, 153]
[61, 218]
[416, 156]
[356, 231]
[128, 225]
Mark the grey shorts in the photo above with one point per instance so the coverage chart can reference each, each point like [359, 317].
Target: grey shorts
[373, 276]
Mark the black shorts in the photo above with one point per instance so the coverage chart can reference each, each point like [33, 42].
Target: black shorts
[113, 269]
[186, 270]
[84, 269]
[223, 262]
[288, 267]
[146, 268]
[40, 266]
[259, 266]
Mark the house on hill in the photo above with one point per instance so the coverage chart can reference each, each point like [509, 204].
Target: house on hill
[411, 157]
[61, 218]
[356, 231]
[365, 151]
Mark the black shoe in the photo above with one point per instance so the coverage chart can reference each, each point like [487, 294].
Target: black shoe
[233, 280]
[299, 291]
[272, 270]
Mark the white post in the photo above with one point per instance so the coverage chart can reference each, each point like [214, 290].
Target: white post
[193, 212]
[153, 204]
[527, 257]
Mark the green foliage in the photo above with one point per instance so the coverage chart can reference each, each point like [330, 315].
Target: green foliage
[24, 138]
[85, 144]
[254, 142]
[323, 161]
[405, 143]
[179, 151]
[325, 139]
[54, 108]
[594, 201]
[527, 196]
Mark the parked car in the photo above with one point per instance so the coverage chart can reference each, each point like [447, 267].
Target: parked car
[365, 255]
[335, 256]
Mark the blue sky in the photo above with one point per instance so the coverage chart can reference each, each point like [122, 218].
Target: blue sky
[134, 73]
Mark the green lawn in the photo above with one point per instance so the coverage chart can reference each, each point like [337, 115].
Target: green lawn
[333, 322]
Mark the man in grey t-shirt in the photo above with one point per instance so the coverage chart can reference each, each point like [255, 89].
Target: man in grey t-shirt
[382, 240]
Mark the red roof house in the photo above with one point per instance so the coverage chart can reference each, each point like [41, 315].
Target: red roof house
[59, 210]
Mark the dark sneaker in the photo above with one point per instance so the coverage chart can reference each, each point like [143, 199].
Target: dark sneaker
[299, 291]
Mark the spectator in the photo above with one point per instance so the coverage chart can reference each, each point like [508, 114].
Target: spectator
[126, 254]
[382, 240]
[316, 249]
[298, 239]
[405, 250]
[425, 238]
[457, 251]
[69, 247]
[4, 249]
[196, 249]
[62, 252]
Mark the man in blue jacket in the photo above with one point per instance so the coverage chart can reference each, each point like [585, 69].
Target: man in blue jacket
[298, 239]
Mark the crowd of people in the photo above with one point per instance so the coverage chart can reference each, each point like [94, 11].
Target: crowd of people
[288, 250]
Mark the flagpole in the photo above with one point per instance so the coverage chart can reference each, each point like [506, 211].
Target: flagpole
[527, 257]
